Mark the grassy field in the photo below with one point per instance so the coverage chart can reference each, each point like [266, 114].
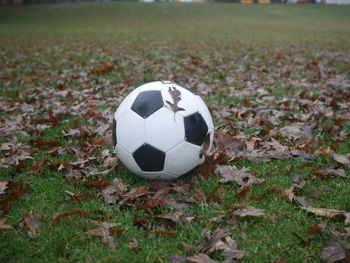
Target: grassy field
[277, 81]
[110, 21]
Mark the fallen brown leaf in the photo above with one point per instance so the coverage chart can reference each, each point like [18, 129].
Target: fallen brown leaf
[221, 241]
[280, 260]
[337, 172]
[41, 143]
[134, 245]
[288, 194]
[318, 228]
[229, 249]
[142, 221]
[14, 153]
[303, 242]
[233, 174]
[296, 131]
[177, 259]
[201, 258]
[3, 187]
[248, 211]
[134, 193]
[342, 158]
[228, 144]
[114, 190]
[334, 252]
[3, 226]
[97, 183]
[58, 216]
[110, 162]
[302, 201]
[345, 234]
[217, 219]
[103, 232]
[175, 203]
[32, 222]
[78, 197]
[164, 233]
[40, 165]
[216, 237]
[176, 96]
[242, 194]
[298, 181]
[199, 195]
[324, 151]
[214, 198]
[173, 216]
[16, 190]
[327, 212]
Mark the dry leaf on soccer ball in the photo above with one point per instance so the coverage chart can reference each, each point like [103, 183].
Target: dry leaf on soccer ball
[176, 96]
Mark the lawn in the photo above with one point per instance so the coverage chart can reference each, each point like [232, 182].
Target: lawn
[276, 79]
[277, 23]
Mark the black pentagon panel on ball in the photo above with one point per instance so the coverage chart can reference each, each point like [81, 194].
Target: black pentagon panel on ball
[149, 158]
[147, 102]
[114, 132]
[195, 128]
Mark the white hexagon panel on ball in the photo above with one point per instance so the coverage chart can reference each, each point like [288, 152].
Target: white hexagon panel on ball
[155, 85]
[186, 154]
[164, 129]
[126, 104]
[160, 130]
[130, 131]
[128, 160]
[158, 176]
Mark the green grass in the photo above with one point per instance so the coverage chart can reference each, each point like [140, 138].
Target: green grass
[123, 21]
[200, 43]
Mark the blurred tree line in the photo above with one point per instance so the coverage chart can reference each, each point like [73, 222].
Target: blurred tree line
[31, 2]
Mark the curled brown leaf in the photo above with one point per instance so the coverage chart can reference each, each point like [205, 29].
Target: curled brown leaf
[32, 222]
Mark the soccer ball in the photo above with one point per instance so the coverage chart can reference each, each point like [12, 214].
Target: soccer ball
[160, 129]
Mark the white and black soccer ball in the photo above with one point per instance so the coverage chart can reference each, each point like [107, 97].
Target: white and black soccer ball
[153, 140]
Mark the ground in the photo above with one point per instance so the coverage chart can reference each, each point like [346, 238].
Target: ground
[276, 79]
